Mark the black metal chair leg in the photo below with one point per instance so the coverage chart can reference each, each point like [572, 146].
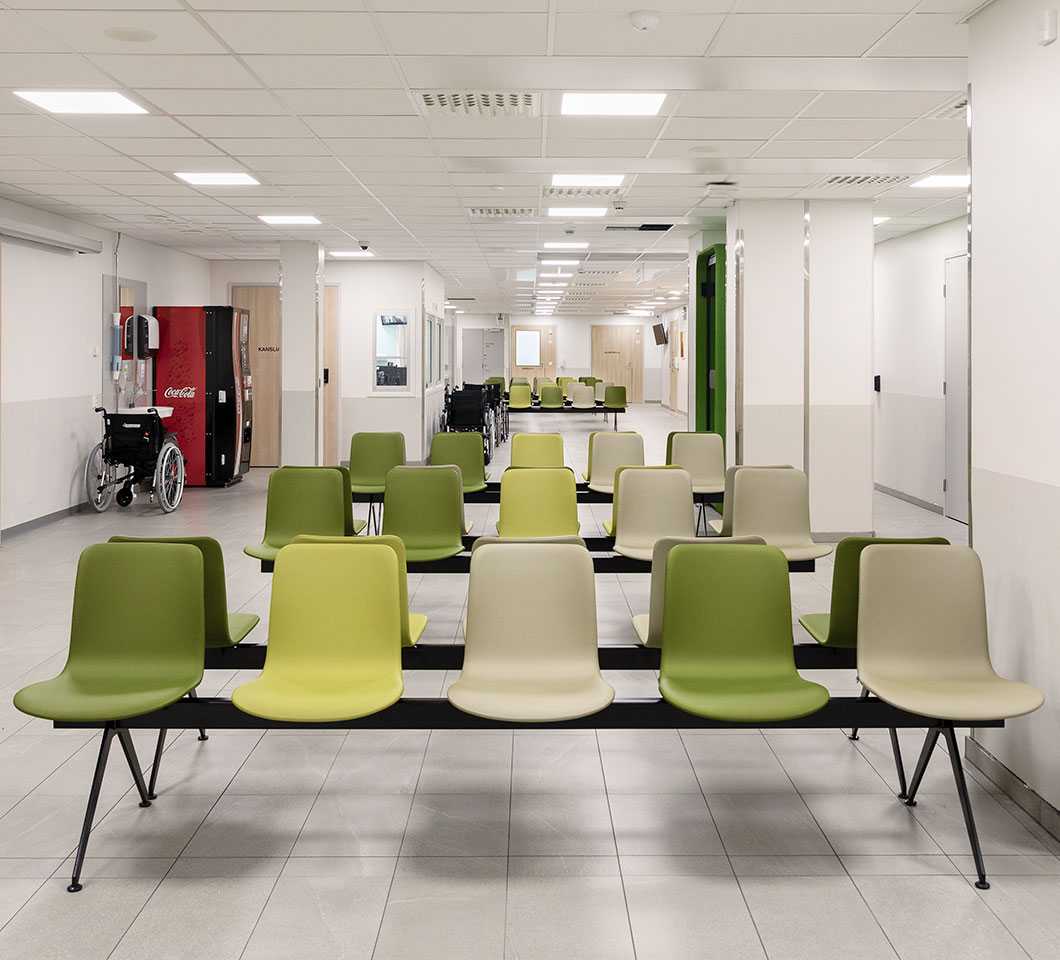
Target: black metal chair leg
[854, 730]
[90, 812]
[192, 695]
[896, 749]
[921, 764]
[966, 804]
[159, 747]
[125, 739]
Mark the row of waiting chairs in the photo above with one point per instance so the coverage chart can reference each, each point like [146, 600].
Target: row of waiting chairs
[552, 396]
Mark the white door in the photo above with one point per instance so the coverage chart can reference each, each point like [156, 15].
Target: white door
[471, 356]
[956, 389]
[493, 353]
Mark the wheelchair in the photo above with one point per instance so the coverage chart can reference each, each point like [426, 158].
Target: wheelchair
[135, 452]
[470, 412]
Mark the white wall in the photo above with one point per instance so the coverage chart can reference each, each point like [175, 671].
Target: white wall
[51, 307]
[1015, 345]
[665, 355]
[225, 274]
[909, 355]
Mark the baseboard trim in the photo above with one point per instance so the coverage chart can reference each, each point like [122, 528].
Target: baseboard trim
[1035, 806]
[909, 498]
[41, 521]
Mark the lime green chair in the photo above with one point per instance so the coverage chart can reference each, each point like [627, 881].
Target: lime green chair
[334, 650]
[538, 503]
[614, 398]
[519, 396]
[412, 624]
[424, 506]
[552, 397]
[727, 652]
[497, 380]
[519, 382]
[588, 381]
[300, 500]
[463, 450]
[137, 639]
[561, 382]
[537, 450]
[371, 457]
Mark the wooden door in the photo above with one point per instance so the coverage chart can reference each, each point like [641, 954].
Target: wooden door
[618, 357]
[333, 375]
[546, 367]
[266, 373]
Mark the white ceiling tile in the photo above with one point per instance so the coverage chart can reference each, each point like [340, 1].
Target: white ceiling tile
[146, 147]
[952, 128]
[286, 147]
[924, 35]
[800, 35]
[814, 148]
[135, 70]
[823, 6]
[897, 149]
[20, 35]
[617, 149]
[475, 127]
[52, 146]
[94, 4]
[871, 128]
[213, 102]
[271, 164]
[464, 6]
[360, 164]
[378, 147]
[128, 125]
[50, 70]
[368, 126]
[354, 103]
[499, 34]
[609, 128]
[743, 103]
[253, 126]
[30, 125]
[593, 34]
[877, 103]
[171, 164]
[706, 148]
[297, 33]
[488, 148]
[663, 7]
[325, 71]
[87, 31]
[722, 128]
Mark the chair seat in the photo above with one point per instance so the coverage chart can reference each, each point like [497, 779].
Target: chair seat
[261, 551]
[77, 701]
[356, 487]
[816, 625]
[358, 525]
[715, 525]
[709, 487]
[287, 700]
[240, 624]
[809, 551]
[426, 554]
[417, 624]
[530, 699]
[603, 487]
[987, 698]
[634, 552]
[640, 625]
[765, 701]
[474, 487]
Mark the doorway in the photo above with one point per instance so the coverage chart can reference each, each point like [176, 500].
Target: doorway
[956, 490]
[266, 368]
[332, 375]
[533, 352]
[618, 357]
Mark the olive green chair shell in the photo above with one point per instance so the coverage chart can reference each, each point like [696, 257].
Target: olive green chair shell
[702, 455]
[537, 450]
[775, 505]
[519, 396]
[609, 450]
[301, 500]
[223, 629]
[353, 525]
[334, 650]
[412, 624]
[372, 456]
[463, 450]
[614, 397]
[538, 503]
[551, 397]
[727, 651]
[519, 381]
[839, 627]
[499, 381]
[137, 635]
[424, 506]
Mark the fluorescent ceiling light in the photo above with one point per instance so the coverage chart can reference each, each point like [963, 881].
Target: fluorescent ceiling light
[560, 263]
[639, 313]
[677, 293]
[587, 179]
[459, 311]
[612, 104]
[876, 221]
[287, 220]
[80, 101]
[577, 211]
[944, 181]
[218, 179]
[565, 245]
[350, 254]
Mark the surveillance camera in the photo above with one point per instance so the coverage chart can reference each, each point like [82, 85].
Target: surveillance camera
[364, 246]
[644, 20]
[569, 230]
[619, 206]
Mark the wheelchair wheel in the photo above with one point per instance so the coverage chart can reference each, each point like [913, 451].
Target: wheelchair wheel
[169, 477]
[99, 480]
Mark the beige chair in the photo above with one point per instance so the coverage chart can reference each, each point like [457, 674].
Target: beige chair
[531, 649]
[486, 541]
[649, 503]
[724, 525]
[582, 397]
[775, 505]
[703, 456]
[649, 625]
[607, 452]
[599, 388]
[922, 647]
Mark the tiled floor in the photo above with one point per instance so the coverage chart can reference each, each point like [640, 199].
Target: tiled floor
[527, 846]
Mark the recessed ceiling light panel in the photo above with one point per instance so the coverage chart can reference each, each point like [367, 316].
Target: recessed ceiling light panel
[587, 179]
[565, 245]
[288, 220]
[223, 179]
[358, 255]
[80, 101]
[612, 104]
[940, 181]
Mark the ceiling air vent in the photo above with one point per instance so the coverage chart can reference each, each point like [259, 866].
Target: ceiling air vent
[861, 182]
[501, 213]
[582, 193]
[650, 227]
[481, 103]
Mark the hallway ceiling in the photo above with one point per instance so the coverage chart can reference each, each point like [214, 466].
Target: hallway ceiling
[344, 109]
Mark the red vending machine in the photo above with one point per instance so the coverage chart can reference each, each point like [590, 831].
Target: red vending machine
[202, 371]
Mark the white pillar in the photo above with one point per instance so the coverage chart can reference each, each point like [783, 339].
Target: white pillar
[302, 300]
[800, 334]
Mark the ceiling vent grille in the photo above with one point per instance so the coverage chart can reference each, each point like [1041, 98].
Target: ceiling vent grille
[860, 182]
[586, 276]
[480, 103]
[582, 193]
[501, 213]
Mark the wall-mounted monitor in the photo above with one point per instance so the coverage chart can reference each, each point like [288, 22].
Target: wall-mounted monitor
[660, 334]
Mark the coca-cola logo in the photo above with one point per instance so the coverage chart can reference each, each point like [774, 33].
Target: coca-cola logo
[179, 393]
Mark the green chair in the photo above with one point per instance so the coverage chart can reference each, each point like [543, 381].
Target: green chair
[551, 397]
[424, 506]
[497, 380]
[537, 450]
[300, 500]
[371, 457]
[412, 624]
[352, 524]
[614, 398]
[463, 450]
[588, 381]
[519, 382]
[561, 382]
[334, 650]
[538, 503]
[519, 396]
[726, 640]
[137, 640]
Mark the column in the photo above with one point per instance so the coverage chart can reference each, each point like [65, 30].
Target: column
[302, 299]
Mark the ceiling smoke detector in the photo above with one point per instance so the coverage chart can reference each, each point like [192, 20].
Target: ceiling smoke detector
[644, 20]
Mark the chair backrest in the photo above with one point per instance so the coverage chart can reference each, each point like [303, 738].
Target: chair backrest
[519, 396]
[568, 387]
[660, 555]
[462, 450]
[398, 547]
[304, 500]
[538, 503]
[333, 617]
[727, 614]
[347, 495]
[497, 380]
[771, 503]
[563, 381]
[730, 475]
[519, 381]
[599, 389]
[424, 506]
[373, 454]
[701, 454]
[588, 381]
[609, 450]
[485, 541]
[650, 503]
[537, 450]
[582, 396]
[138, 617]
[614, 396]
[843, 622]
[551, 396]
